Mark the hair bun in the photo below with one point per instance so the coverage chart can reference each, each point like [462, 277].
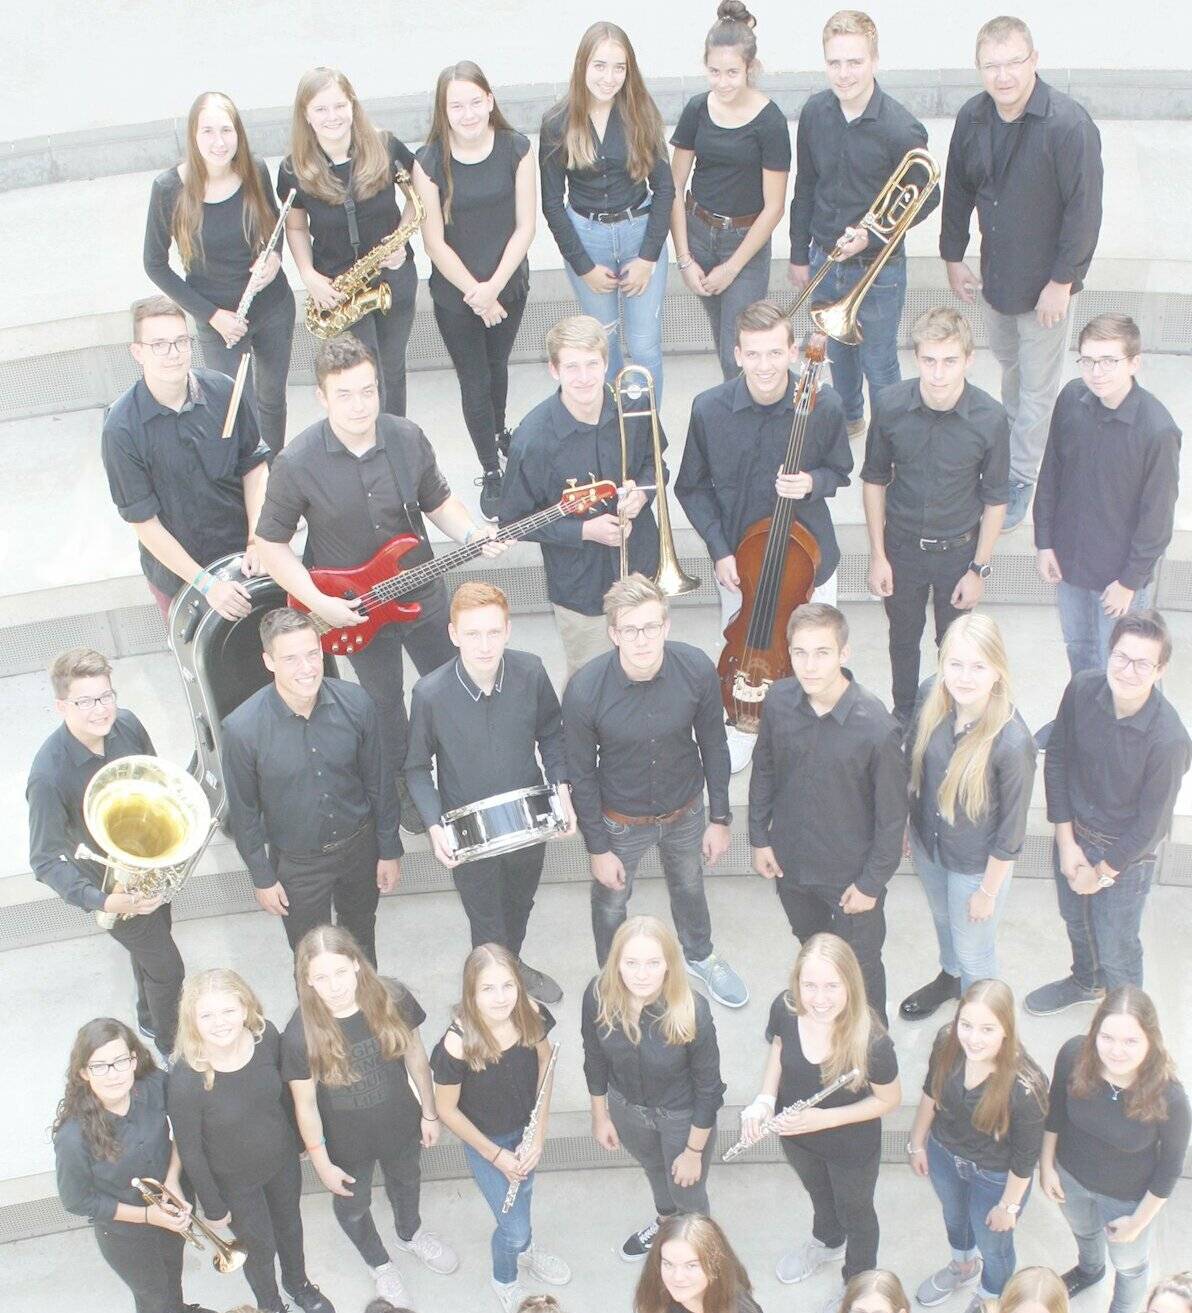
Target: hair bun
[733, 11]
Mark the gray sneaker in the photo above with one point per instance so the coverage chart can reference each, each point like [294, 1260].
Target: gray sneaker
[720, 980]
[543, 1267]
[508, 1296]
[803, 1262]
[433, 1250]
[1057, 996]
[947, 1281]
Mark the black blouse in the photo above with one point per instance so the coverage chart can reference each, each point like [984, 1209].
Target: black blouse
[727, 178]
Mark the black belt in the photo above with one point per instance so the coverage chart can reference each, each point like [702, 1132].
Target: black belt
[1094, 836]
[613, 216]
[939, 544]
[331, 847]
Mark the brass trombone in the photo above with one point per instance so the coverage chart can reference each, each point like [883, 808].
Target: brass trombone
[893, 211]
[633, 382]
[229, 1254]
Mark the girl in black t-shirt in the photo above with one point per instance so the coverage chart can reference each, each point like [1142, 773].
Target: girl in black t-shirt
[478, 184]
[821, 1027]
[488, 1069]
[692, 1269]
[343, 170]
[351, 1054]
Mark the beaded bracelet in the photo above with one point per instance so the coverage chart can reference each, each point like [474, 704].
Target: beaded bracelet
[202, 574]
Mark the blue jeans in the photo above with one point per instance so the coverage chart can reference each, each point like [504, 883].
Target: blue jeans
[1086, 627]
[1103, 928]
[968, 949]
[512, 1236]
[710, 247]
[881, 312]
[679, 845]
[614, 245]
[966, 1193]
[1087, 1213]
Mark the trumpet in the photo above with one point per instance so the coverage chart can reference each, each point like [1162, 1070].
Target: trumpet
[229, 1254]
[800, 1105]
[633, 382]
[893, 211]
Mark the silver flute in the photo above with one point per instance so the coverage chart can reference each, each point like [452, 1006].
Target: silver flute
[771, 1123]
[532, 1125]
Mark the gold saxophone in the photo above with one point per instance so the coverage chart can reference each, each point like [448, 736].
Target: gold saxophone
[360, 298]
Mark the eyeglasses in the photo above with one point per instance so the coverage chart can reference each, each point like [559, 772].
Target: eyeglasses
[119, 1065]
[634, 632]
[1141, 666]
[163, 346]
[85, 703]
[1100, 364]
[1005, 65]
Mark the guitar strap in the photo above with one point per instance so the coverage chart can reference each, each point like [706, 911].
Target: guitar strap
[407, 494]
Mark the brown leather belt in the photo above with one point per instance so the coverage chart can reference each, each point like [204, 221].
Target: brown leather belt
[714, 220]
[665, 819]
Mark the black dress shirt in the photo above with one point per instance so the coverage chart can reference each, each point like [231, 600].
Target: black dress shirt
[58, 780]
[653, 1073]
[941, 468]
[828, 793]
[605, 188]
[297, 783]
[551, 446]
[730, 162]
[966, 844]
[1117, 777]
[645, 747]
[482, 744]
[91, 1187]
[1105, 501]
[1040, 213]
[736, 446]
[173, 464]
[840, 166]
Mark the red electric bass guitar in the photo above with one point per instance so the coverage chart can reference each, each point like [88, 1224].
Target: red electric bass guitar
[381, 583]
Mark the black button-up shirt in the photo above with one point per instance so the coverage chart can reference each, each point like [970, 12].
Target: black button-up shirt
[1105, 501]
[840, 166]
[941, 468]
[58, 780]
[644, 747]
[607, 187]
[1116, 777]
[550, 447]
[298, 783]
[1040, 213]
[482, 744]
[736, 446]
[653, 1073]
[828, 793]
[173, 464]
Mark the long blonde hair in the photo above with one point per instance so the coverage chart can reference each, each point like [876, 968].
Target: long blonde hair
[440, 127]
[325, 1047]
[188, 1044]
[1034, 1285]
[370, 159]
[966, 781]
[480, 1045]
[614, 1001]
[857, 1025]
[877, 1281]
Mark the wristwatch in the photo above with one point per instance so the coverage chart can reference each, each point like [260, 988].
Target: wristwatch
[721, 820]
[1012, 1209]
[982, 571]
[1104, 881]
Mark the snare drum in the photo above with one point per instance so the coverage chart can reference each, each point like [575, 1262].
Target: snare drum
[504, 823]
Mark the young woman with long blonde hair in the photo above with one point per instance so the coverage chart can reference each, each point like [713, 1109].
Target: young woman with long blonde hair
[652, 1066]
[875, 1291]
[1034, 1290]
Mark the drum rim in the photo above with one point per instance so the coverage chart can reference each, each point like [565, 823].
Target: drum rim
[498, 800]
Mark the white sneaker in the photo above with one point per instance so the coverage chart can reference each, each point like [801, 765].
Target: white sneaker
[508, 1296]
[432, 1249]
[543, 1267]
[740, 747]
[808, 1258]
[389, 1285]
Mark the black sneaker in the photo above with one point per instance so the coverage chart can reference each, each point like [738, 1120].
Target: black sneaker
[1077, 1279]
[490, 494]
[310, 1299]
[640, 1242]
[504, 438]
[923, 1002]
[411, 820]
[540, 987]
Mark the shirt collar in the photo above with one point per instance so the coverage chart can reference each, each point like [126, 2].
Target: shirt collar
[874, 109]
[78, 752]
[844, 704]
[149, 406]
[334, 446]
[743, 399]
[1141, 720]
[1038, 103]
[282, 710]
[961, 407]
[1127, 412]
[565, 423]
[624, 679]
[473, 690]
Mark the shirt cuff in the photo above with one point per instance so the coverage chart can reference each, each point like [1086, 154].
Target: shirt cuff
[138, 512]
[952, 252]
[92, 898]
[596, 841]
[1135, 579]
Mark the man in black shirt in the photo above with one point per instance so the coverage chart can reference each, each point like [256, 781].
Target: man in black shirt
[850, 139]
[191, 495]
[644, 729]
[827, 796]
[310, 798]
[479, 720]
[93, 732]
[359, 478]
[574, 435]
[1028, 158]
[1113, 767]
[1105, 504]
[935, 490]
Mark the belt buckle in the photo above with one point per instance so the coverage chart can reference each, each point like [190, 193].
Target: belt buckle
[929, 545]
[723, 221]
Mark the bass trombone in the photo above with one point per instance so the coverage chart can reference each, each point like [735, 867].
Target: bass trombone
[229, 1254]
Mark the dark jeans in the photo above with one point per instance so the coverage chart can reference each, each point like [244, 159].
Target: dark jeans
[498, 894]
[148, 1260]
[269, 338]
[1103, 928]
[346, 878]
[917, 575]
[813, 911]
[267, 1221]
[656, 1137]
[710, 247]
[157, 971]
[513, 1234]
[386, 336]
[841, 1203]
[481, 359]
[379, 668]
[679, 845]
[401, 1172]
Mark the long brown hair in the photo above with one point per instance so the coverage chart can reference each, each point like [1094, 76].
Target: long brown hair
[640, 116]
[877, 1281]
[440, 129]
[1011, 1064]
[480, 1046]
[189, 1045]
[79, 1101]
[325, 1047]
[370, 159]
[1034, 1285]
[187, 220]
[727, 1278]
[857, 1024]
[614, 1001]
[1146, 1099]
